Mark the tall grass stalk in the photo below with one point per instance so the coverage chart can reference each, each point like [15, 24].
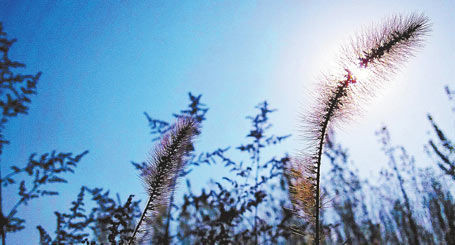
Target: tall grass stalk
[163, 169]
[365, 64]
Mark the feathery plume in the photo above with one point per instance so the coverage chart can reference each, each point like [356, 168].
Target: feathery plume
[366, 62]
[163, 169]
[301, 189]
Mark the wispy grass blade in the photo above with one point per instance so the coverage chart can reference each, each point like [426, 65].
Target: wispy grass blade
[369, 60]
[163, 169]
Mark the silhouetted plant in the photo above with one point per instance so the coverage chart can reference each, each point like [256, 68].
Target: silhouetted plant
[249, 203]
[39, 172]
[160, 175]
[346, 190]
[197, 111]
[15, 92]
[109, 221]
[377, 53]
[358, 212]
[16, 88]
[408, 205]
[444, 149]
[251, 191]
[241, 194]
[408, 220]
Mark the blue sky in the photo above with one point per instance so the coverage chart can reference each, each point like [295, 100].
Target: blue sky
[106, 62]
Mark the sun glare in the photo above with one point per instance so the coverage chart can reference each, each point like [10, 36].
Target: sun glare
[360, 74]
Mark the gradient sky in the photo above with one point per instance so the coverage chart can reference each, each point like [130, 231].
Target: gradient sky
[106, 62]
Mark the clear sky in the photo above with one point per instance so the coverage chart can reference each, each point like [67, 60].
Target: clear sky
[106, 62]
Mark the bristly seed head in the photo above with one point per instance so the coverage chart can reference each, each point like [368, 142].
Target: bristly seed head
[167, 162]
[383, 49]
[378, 53]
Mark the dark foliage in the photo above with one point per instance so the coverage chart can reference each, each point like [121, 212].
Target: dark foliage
[39, 172]
[15, 88]
[163, 170]
[15, 92]
[408, 205]
[443, 147]
[249, 204]
[232, 211]
[339, 95]
[111, 222]
[195, 109]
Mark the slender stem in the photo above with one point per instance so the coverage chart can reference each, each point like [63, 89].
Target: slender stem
[257, 159]
[318, 173]
[140, 221]
[21, 201]
[168, 220]
[9, 175]
[406, 198]
[2, 218]
[330, 111]
[256, 208]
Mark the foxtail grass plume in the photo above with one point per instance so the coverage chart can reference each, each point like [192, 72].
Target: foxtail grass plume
[378, 53]
[163, 169]
[301, 188]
